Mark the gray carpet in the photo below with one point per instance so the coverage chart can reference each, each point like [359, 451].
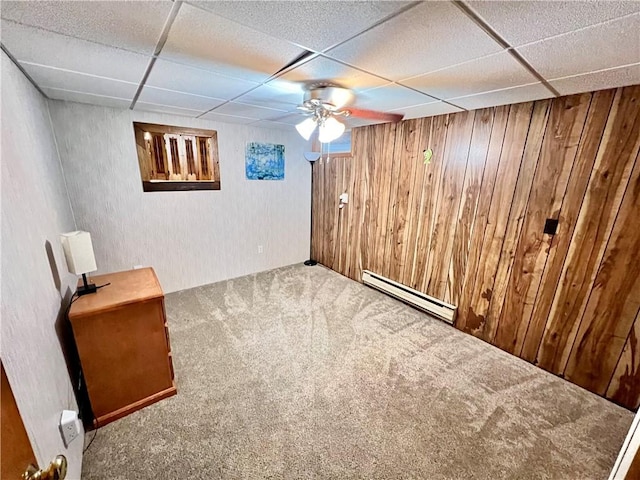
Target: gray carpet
[302, 373]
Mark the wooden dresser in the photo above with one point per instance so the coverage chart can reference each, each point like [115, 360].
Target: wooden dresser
[123, 343]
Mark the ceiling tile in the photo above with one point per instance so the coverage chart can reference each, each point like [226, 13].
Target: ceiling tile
[529, 21]
[280, 95]
[227, 118]
[428, 110]
[353, 122]
[588, 82]
[270, 124]
[432, 32]
[525, 93]
[79, 82]
[162, 96]
[249, 111]
[69, 96]
[321, 68]
[134, 26]
[181, 78]
[33, 45]
[314, 25]
[482, 75]
[152, 107]
[201, 39]
[290, 118]
[391, 97]
[608, 45]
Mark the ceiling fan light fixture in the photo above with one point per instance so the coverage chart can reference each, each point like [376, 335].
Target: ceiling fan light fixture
[330, 130]
[306, 127]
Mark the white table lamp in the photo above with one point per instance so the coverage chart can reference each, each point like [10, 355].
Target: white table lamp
[78, 252]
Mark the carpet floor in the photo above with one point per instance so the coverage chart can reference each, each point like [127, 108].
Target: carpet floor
[299, 372]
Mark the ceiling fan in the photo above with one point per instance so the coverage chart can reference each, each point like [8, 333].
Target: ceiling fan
[324, 102]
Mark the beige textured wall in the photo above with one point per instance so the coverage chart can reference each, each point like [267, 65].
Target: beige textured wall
[35, 210]
[190, 238]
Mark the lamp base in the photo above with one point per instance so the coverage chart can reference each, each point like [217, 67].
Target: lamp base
[86, 289]
[310, 263]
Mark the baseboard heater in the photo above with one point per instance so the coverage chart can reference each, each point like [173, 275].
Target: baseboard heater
[442, 310]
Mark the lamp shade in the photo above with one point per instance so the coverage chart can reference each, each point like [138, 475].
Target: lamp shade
[330, 130]
[78, 252]
[306, 127]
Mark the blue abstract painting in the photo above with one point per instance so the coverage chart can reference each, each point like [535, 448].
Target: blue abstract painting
[264, 161]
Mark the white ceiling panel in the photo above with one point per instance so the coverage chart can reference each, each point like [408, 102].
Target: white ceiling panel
[270, 124]
[588, 82]
[321, 68]
[133, 26]
[79, 82]
[391, 96]
[34, 45]
[314, 25]
[227, 118]
[181, 78]
[360, 122]
[529, 21]
[204, 40]
[525, 93]
[280, 95]
[482, 75]
[178, 99]
[69, 96]
[249, 111]
[152, 107]
[428, 110]
[290, 118]
[429, 37]
[607, 45]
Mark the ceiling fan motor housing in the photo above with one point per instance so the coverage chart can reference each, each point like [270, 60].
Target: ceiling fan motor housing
[329, 96]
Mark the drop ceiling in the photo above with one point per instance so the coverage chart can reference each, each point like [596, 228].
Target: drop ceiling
[248, 62]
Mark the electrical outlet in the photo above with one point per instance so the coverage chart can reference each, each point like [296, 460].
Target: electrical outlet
[260, 249]
[69, 426]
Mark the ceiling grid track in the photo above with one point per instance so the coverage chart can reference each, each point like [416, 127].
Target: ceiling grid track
[503, 43]
[159, 45]
[20, 67]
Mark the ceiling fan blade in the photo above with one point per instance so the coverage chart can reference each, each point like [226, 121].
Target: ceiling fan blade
[374, 115]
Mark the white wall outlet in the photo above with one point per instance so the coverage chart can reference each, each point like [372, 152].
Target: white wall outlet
[260, 249]
[70, 426]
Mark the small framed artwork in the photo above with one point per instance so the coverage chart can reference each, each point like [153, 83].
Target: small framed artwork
[264, 161]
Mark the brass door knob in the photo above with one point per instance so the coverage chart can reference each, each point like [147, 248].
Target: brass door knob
[56, 470]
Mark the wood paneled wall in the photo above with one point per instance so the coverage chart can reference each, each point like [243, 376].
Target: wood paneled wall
[468, 227]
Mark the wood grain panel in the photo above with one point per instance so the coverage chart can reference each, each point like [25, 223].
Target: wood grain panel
[623, 388]
[379, 148]
[577, 185]
[510, 160]
[566, 122]
[600, 205]
[489, 176]
[613, 302]
[448, 198]
[415, 142]
[406, 153]
[467, 227]
[433, 176]
[519, 202]
[478, 150]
